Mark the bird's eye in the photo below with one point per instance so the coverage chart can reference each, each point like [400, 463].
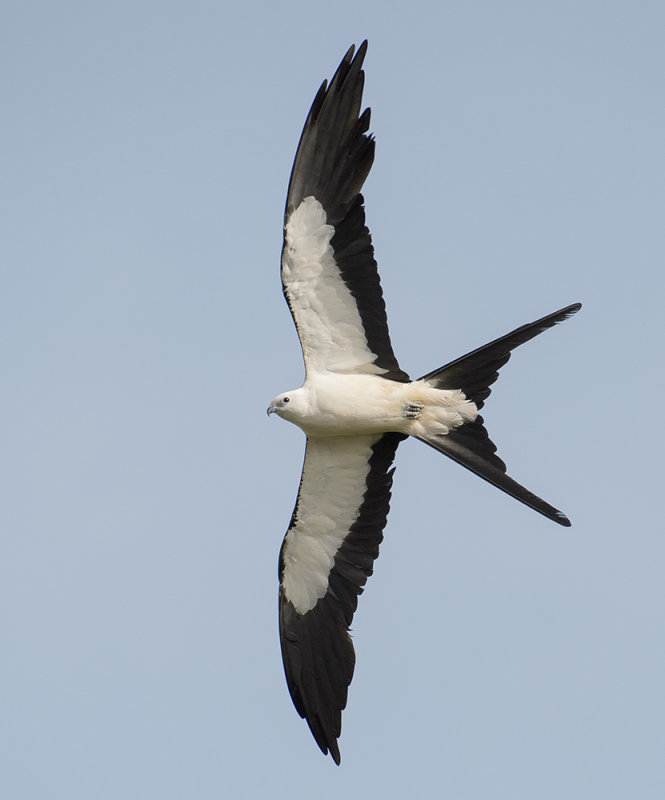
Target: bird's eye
[285, 400]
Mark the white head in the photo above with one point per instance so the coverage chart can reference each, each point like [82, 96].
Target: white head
[289, 405]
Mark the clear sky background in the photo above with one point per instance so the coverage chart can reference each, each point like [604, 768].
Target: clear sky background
[145, 150]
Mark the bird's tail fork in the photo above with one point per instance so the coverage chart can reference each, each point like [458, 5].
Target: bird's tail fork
[470, 444]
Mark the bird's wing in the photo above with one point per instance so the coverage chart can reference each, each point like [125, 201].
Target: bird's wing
[329, 275]
[326, 557]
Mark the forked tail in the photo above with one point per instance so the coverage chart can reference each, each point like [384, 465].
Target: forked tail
[474, 373]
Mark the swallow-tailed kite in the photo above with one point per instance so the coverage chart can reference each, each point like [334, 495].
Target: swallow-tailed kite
[356, 404]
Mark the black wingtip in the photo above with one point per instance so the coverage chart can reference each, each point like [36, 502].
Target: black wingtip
[353, 59]
[327, 743]
[567, 312]
[334, 753]
[348, 56]
[362, 49]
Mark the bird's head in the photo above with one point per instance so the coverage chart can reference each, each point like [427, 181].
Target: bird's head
[286, 405]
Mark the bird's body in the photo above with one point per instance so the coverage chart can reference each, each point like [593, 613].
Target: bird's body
[352, 405]
[356, 403]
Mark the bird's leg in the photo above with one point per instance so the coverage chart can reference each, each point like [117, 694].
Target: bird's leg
[413, 410]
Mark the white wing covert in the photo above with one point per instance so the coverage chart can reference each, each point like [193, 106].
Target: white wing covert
[329, 275]
[326, 557]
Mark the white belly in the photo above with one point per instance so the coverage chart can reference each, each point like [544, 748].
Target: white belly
[348, 405]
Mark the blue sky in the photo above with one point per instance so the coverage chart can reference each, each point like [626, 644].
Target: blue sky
[146, 149]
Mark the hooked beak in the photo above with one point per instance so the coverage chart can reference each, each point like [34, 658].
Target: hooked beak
[270, 409]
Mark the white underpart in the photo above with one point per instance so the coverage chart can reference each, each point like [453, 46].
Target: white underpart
[344, 416]
[329, 325]
[331, 493]
[349, 405]
[344, 406]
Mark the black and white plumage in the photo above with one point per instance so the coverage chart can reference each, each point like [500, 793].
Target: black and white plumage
[356, 404]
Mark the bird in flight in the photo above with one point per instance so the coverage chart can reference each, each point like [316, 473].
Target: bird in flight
[356, 403]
